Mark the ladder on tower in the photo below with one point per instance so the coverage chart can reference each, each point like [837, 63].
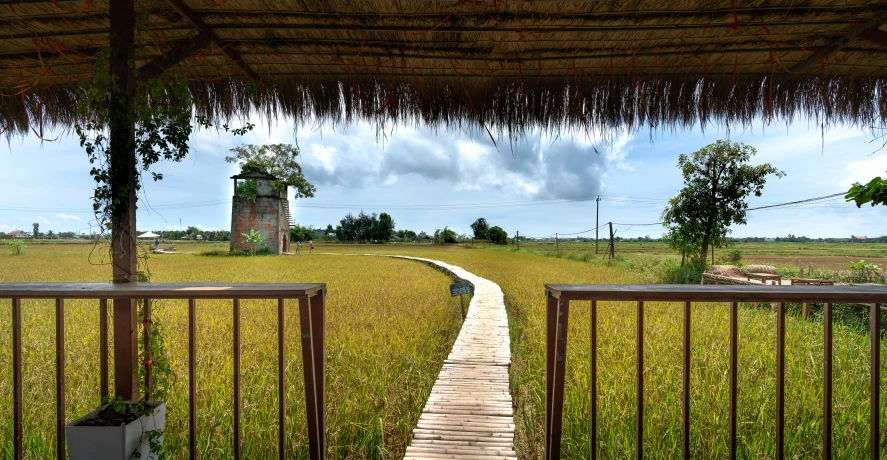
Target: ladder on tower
[287, 215]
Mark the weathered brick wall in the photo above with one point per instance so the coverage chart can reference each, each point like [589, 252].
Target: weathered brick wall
[262, 215]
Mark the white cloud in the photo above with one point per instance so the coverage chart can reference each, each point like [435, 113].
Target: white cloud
[68, 217]
[538, 167]
[5, 228]
[43, 220]
[865, 170]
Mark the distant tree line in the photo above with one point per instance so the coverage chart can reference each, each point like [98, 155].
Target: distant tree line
[191, 233]
[483, 231]
[365, 228]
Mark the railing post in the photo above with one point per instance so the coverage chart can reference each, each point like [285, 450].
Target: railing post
[126, 350]
[60, 379]
[875, 382]
[318, 337]
[146, 344]
[639, 420]
[17, 379]
[592, 386]
[734, 351]
[103, 349]
[192, 379]
[236, 351]
[556, 356]
[281, 387]
[311, 320]
[685, 406]
[828, 360]
[780, 380]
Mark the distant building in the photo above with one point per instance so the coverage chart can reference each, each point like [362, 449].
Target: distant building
[770, 240]
[19, 234]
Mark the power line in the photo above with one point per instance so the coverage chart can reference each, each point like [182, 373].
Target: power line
[808, 200]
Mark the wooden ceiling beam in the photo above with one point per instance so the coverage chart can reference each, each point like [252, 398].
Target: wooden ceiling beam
[839, 43]
[195, 21]
[876, 36]
[159, 64]
[357, 29]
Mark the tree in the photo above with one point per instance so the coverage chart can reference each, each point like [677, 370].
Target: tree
[445, 236]
[300, 233]
[874, 192]
[406, 235]
[278, 160]
[36, 230]
[192, 230]
[497, 235]
[480, 227]
[717, 180]
[384, 228]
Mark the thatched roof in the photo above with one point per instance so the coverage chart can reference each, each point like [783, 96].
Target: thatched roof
[501, 65]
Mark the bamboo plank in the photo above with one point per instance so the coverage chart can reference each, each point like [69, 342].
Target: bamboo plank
[469, 413]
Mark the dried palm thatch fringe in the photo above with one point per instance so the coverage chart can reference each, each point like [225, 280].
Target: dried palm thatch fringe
[507, 66]
[508, 105]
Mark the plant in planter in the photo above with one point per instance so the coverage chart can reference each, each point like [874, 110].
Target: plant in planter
[119, 430]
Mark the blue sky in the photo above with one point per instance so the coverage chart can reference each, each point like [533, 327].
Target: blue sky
[429, 179]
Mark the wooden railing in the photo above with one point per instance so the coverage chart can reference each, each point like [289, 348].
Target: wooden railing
[311, 318]
[559, 297]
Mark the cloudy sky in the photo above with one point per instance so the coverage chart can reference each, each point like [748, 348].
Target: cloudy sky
[429, 179]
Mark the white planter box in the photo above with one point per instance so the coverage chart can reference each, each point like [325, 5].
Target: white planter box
[113, 442]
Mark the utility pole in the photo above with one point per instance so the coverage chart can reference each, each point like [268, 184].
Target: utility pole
[597, 214]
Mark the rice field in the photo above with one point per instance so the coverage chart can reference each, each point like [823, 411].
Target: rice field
[831, 256]
[522, 276]
[388, 330]
[383, 354]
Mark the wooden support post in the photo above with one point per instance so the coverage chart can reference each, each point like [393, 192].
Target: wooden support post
[805, 310]
[555, 364]
[123, 188]
[612, 245]
[557, 242]
[517, 239]
[311, 318]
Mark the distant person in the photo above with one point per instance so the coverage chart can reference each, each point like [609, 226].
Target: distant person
[156, 243]
[298, 247]
[311, 247]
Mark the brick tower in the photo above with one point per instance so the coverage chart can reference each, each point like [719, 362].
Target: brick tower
[268, 212]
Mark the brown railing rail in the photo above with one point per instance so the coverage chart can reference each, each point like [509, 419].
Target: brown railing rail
[559, 297]
[311, 315]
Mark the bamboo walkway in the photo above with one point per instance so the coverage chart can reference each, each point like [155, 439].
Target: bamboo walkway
[469, 413]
